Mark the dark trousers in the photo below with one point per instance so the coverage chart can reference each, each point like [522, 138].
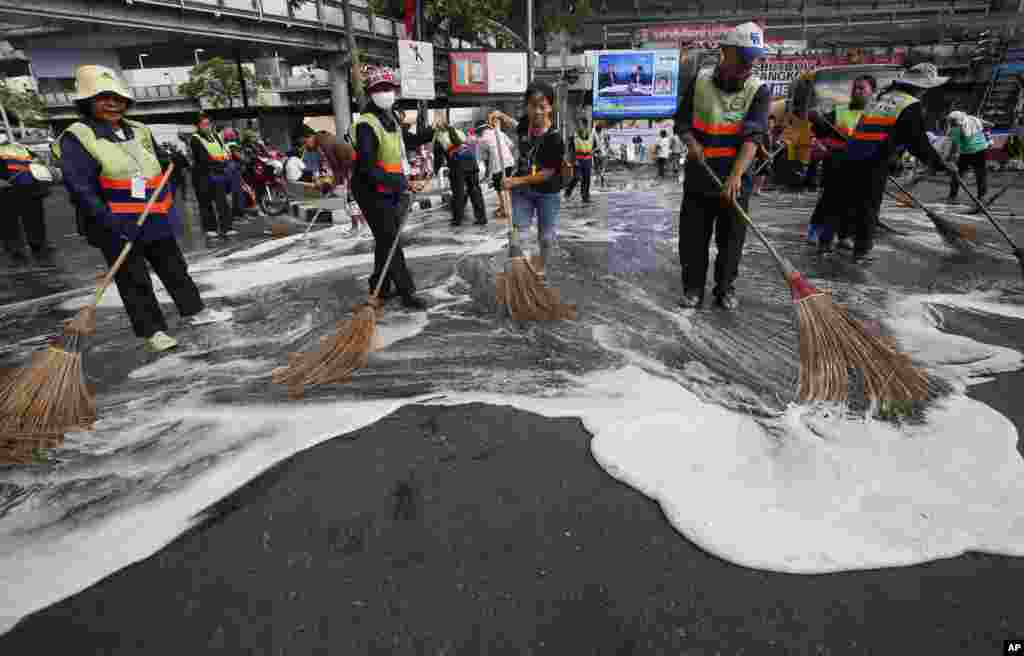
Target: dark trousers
[234, 180]
[699, 215]
[465, 177]
[210, 191]
[496, 178]
[381, 215]
[829, 214]
[23, 221]
[136, 287]
[583, 174]
[974, 161]
[859, 192]
[662, 164]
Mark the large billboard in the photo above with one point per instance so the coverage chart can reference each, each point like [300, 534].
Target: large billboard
[481, 72]
[636, 83]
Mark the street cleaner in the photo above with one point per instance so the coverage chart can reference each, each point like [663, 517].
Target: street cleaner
[462, 171]
[210, 179]
[722, 117]
[582, 144]
[380, 179]
[894, 120]
[27, 184]
[834, 131]
[111, 168]
[967, 139]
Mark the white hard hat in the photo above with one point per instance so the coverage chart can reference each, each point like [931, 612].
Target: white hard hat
[92, 80]
[748, 38]
[3, 138]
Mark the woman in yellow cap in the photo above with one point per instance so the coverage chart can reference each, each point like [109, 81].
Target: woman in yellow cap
[111, 168]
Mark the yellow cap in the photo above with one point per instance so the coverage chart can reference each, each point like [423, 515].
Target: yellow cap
[92, 80]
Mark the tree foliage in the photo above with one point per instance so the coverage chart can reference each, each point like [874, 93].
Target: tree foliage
[217, 82]
[25, 105]
[555, 17]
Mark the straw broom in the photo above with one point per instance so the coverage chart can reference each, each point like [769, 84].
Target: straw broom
[520, 287]
[833, 344]
[957, 236]
[50, 396]
[1018, 252]
[340, 356]
[960, 237]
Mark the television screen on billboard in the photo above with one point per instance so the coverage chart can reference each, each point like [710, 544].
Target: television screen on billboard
[636, 84]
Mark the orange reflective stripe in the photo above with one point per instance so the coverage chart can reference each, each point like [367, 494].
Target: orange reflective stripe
[720, 152]
[880, 120]
[716, 128]
[218, 158]
[579, 156]
[114, 183]
[389, 168]
[870, 136]
[160, 207]
[17, 167]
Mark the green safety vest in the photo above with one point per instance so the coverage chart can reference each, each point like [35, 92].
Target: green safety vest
[875, 124]
[390, 148]
[584, 147]
[717, 118]
[215, 148]
[14, 161]
[847, 119]
[119, 163]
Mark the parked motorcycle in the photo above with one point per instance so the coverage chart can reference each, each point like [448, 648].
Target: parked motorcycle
[264, 181]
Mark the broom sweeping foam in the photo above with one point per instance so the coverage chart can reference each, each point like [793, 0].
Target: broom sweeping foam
[50, 396]
[833, 345]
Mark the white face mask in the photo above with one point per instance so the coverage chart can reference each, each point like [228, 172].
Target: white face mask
[383, 99]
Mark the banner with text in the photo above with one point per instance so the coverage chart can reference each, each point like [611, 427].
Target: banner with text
[479, 72]
[778, 72]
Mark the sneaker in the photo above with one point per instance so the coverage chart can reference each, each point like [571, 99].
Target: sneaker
[863, 258]
[727, 301]
[845, 244]
[812, 233]
[690, 301]
[208, 316]
[480, 222]
[231, 233]
[160, 342]
[212, 233]
[824, 250]
[413, 303]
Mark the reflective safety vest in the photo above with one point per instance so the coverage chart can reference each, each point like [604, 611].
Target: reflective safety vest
[717, 118]
[14, 161]
[846, 123]
[464, 150]
[873, 129]
[584, 148]
[215, 148]
[119, 162]
[389, 146]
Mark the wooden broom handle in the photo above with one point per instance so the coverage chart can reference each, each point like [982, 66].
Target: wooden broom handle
[128, 247]
[782, 262]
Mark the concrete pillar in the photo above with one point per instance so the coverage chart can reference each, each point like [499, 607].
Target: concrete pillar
[338, 68]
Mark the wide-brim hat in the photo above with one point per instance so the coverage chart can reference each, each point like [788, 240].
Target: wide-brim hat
[923, 76]
[92, 80]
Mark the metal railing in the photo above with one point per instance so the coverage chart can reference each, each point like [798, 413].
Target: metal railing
[170, 92]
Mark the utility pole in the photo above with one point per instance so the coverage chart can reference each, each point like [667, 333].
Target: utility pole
[529, 40]
[421, 105]
[241, 80]
[342, 75]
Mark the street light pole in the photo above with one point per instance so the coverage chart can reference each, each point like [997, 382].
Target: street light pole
[141, 55]
[196, 53]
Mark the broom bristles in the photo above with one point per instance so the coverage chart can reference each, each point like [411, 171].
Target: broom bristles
[49, 396]
[336, 359]
[833, 345]
[84, 323]
[957, 236]
[527, 298]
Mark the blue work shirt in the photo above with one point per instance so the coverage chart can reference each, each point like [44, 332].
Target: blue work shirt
[82, 180]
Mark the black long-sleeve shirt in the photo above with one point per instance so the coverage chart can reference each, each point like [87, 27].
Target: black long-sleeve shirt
[909, 132]
[204, 166]
[367, 172]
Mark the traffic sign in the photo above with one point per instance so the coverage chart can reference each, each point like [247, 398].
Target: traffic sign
[416, 64]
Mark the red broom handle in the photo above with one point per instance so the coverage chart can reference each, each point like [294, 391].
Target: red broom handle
[128, 247]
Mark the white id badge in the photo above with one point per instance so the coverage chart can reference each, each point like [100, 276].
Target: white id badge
[138, 187]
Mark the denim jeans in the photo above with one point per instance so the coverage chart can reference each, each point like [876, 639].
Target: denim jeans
[526, 201]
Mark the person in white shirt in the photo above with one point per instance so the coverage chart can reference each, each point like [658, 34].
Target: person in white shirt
[663, 146]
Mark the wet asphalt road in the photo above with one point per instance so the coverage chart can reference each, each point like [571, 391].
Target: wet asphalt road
[322, 554]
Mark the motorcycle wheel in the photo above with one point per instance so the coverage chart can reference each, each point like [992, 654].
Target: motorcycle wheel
[273, 202]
